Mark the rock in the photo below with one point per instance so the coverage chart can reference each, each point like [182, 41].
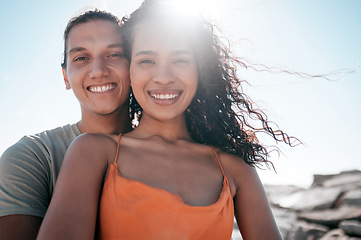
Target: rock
[334, 234]
[351, 198]
[351, 178]
[352, 228]
[331, 217]
[317, 198]
[329, 210]
[337, 234]
[277, 192]
[309, 231]
[349, 238]
[285, 220]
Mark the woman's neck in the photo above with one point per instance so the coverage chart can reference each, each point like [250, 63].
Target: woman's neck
[171, 131]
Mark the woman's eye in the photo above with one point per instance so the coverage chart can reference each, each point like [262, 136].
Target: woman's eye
[147, 61]
[181, 61]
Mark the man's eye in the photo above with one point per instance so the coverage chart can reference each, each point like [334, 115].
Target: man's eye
[80, 59]
[116, 55]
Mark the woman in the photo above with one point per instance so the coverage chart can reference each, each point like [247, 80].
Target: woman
[188, 166]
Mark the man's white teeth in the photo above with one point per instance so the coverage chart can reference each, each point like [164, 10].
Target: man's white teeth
[100, 89]
[164, 96]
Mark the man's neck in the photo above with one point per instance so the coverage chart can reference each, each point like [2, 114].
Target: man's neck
[116, 123]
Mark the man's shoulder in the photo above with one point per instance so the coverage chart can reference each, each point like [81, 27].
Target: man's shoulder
[29, 169]
[64, 134]
[66, 130]
[57, 139]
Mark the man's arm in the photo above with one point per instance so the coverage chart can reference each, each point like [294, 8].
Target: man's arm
[24, 190]
[73, 209]
[19, 227]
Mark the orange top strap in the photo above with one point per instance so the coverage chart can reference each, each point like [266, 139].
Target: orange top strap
[116, 155]
[219, 162]
[128, 205]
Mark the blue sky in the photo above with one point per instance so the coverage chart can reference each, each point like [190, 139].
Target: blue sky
[307, 36]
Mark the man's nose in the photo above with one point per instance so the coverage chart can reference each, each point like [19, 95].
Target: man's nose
[99, 68]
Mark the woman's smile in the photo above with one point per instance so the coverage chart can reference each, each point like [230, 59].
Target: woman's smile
[165, 96]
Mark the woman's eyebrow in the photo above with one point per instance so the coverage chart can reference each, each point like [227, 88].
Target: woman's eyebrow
[179, 52]
[145, 52]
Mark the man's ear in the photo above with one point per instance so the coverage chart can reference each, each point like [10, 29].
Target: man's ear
[66, 81]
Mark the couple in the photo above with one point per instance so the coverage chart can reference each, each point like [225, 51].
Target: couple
[185, 169]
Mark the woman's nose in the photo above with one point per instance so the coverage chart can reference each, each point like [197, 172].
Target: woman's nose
[164, 75]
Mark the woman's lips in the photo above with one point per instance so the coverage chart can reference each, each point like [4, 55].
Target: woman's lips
[165, 97]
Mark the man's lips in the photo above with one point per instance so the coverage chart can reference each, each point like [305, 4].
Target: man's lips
[102, 88]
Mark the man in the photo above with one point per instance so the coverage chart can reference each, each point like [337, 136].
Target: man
[96, 70]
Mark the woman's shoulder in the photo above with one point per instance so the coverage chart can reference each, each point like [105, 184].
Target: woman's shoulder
[232, 161]
[238, 172]
[95, 138]
[94, 144]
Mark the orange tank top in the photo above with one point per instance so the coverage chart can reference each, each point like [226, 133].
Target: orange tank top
[130, 210]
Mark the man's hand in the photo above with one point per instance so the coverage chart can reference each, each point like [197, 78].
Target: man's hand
[19, 227]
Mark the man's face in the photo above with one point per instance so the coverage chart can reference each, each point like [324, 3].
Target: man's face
[96, 69]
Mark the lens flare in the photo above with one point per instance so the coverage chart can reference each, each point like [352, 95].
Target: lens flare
[207, 8]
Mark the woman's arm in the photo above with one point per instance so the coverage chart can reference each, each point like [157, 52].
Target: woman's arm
[72, 212]
[252, 210]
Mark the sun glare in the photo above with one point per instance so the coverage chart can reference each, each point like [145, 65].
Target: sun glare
[207, 8]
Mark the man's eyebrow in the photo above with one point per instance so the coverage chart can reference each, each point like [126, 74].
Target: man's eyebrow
[115, 45]
[76, 49]
[80, 49]
[144, 52]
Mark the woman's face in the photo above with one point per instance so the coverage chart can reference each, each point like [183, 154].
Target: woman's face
[163, 71]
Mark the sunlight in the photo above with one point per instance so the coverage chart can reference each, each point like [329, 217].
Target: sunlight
[207, 8]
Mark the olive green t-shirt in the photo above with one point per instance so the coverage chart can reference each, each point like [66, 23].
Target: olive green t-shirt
[29, 169]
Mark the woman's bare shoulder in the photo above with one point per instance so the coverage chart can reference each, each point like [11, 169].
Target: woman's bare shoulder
[93, 146]
[232, 161]
[238, 172]
[96, 140]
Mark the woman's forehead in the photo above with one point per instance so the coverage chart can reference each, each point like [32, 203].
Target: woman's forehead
[161, 33]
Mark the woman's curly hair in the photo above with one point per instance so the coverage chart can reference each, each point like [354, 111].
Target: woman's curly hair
[220, 114]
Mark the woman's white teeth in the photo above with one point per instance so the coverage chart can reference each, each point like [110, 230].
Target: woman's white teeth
[100, 89]
[164, 96]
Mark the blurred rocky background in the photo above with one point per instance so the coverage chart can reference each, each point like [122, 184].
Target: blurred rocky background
[330, 209]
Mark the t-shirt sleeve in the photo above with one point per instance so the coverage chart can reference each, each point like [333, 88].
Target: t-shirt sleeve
[24, 179]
